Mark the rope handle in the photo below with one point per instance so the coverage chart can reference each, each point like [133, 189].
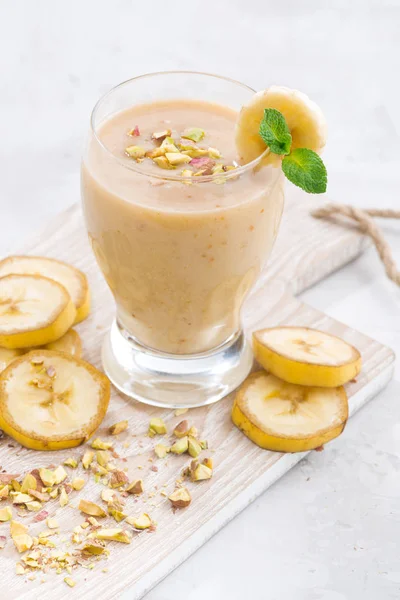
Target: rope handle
[364, 219]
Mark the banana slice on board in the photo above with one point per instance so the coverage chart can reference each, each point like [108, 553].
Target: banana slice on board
[7, 355]
[284, 417]
[34, 311]
[52, 401]
[72, 279]
[306, 356]
[70, 343]
[305, 120]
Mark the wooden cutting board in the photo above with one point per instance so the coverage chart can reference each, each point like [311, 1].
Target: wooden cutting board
[306, 251]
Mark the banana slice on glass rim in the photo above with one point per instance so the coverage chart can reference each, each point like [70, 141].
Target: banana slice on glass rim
[306, 356]
[51, 401]
[284, 417]
[305, 120]
[34, 311]
[74, 281]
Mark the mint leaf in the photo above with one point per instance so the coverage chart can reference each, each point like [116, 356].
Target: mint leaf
[305, 168]
[275, 132]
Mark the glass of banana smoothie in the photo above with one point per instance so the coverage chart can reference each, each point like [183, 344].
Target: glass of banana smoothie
[180, 230]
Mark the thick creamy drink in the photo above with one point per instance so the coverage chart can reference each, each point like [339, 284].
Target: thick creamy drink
[179, 256]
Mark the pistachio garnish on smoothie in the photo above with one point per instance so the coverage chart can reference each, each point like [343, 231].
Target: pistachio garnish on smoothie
[172, 150]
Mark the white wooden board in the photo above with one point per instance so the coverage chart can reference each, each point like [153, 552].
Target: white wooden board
[306, 251]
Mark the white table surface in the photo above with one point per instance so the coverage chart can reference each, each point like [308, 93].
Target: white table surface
[329, 529]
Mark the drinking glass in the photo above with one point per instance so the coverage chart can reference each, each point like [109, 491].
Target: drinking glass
[179, 258]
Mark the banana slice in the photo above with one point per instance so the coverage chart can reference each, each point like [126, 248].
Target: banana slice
[72, 279]
[52, 401]
[288, 418]
[305, 120]
[306, 356]
[70, 343]
[34, 311]
[7, 355]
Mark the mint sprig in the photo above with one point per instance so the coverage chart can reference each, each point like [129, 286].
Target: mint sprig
[275, 132]
[302, 166]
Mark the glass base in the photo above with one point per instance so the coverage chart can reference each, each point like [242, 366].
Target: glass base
[174, 381]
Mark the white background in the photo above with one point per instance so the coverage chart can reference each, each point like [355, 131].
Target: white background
[329, 529]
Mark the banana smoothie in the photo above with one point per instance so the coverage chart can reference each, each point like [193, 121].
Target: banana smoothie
[179, 229]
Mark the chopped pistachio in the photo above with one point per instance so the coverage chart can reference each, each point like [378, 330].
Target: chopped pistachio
[118, 479]
[134, 132]
[16, 486]
[18, 498]
[156, 152]
[181, 411]
[28, 483]
[90, 508]
[94, 549]
[117, 514]
[142, 522]
[34, 506]
[160, 450]
[187, 174]
[71, 462]
[168, 145]
[195, 134]
[180, 498]
[113, 535]
[48, 477]
[87, 459]
[162, 162]
[157, 427]
[180, 446]
[203, 444]
[208, 462]
[70, 582]
[5, 514]
[52, 523]
[102, 457]
[135, 152]
[204, 166]
[194, 447]
[107, 495]
[4, 492]
[54, 493]
[94, 522]
[118, 427]
[193, 432]
[19, 569]
[201, 472]
[20, 536]
[161, 135]
[181, 429]
[98, 444]
[214, 153]
[177, 158]
[60, 474]
[195, 152]
[63, 498]
[78, 483]
[136, 487]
